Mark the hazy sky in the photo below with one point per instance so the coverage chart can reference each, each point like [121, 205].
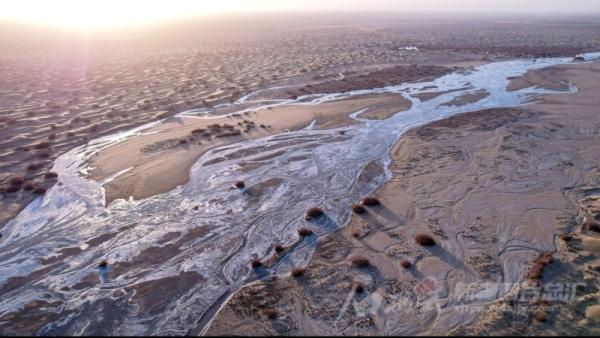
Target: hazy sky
[97, 13]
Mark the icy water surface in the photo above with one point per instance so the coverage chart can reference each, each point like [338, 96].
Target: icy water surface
[58, 240]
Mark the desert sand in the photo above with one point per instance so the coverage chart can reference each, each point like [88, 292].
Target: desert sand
[160, 160]
[495, 189]
[59, 91]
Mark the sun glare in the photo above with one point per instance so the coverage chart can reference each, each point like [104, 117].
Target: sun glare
[92, 14]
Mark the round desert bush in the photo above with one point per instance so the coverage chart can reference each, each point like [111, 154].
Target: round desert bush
[359, 261]
[313, 213]
[256, 263]
[270, 313]
[358, 209]
[279, 248]
[591, 227]
[50, 175]
[540, 316]
[16, 181]
[536, 270]
[370, 201]
[356, 233]
[424, 240]
[566, 237]
[33, 167]
[103, 263]
[545, 258]
[39, 190]
[359, 288]
[297, 272]
[42, 145]
[239, 184]
[305, 231]
[405, 263]
[13, 188]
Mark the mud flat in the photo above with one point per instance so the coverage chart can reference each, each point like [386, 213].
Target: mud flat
[510, 197]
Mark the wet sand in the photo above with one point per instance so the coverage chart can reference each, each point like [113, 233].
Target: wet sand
[160, 160]
[494, 189]
[468, 98]
[551, 78]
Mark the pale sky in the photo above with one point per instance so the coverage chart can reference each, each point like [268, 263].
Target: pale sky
[112, 13]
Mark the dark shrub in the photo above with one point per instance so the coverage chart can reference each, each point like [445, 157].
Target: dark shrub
[279, 248]
[270, 313]
[13, 188]
[358, 209]
[566, 237]
[405, 264]
[424, 240]
[540, 316]
[313, 213]
[591, 227]
[359, 261]
[229, 134]
[303, 232]
[50, 175]
[39, 190]
[256, 263]
[536, 270]
[16, 181]
[297, 272]
[370, 201]
[42, 145]
[239, 184]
